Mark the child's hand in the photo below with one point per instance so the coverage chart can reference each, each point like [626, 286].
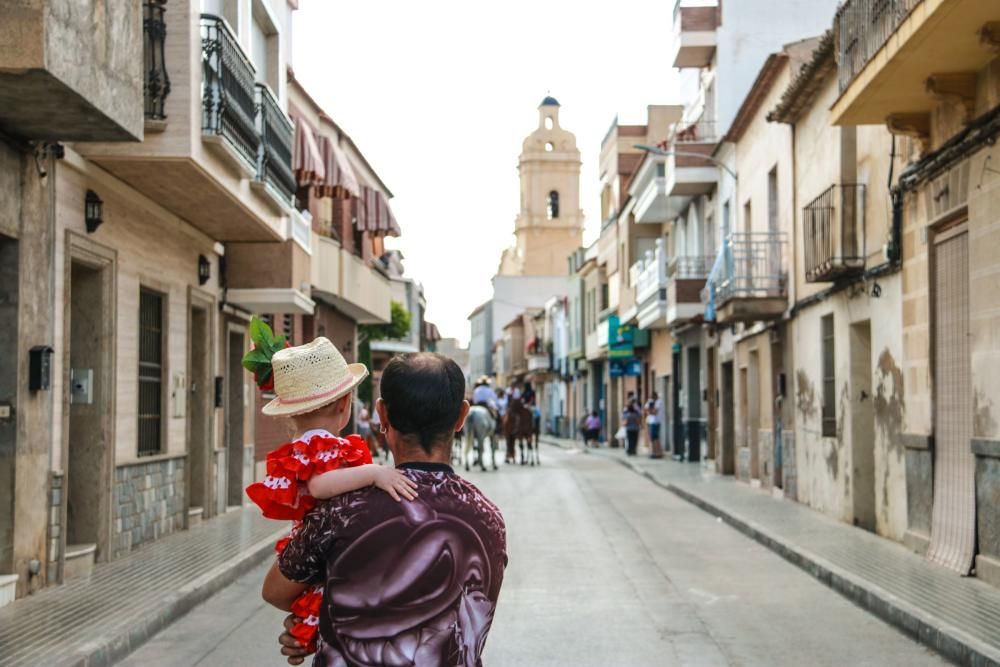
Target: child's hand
[395, 483]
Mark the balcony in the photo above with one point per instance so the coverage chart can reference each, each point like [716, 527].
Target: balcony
[210, 131]
[348, 283]
[747, 282]
[71, 72]
[898, 57]
[665, 184]
[228, 98]
[695, 35]
[539, 363]
[685, 280]
[651, 289]
[833, 234]
[274, 161]
[269, 277]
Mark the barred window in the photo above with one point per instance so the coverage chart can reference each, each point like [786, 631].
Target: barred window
[150, 429]
[829, 379]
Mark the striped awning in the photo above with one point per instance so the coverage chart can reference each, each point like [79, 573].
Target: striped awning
[319, 163]
[307, 161]
[374, 214]
[340, 179]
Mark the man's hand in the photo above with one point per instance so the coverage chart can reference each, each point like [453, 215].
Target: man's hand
[290, 646]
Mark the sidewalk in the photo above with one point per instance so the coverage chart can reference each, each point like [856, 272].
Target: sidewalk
[98, 621]
[959, 617]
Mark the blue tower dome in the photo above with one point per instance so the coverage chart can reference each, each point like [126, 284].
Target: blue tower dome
[550, 101]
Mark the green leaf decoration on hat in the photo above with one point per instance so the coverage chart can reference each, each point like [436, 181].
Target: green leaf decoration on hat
[258, 359]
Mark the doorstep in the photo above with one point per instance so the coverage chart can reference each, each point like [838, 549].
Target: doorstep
[956, 616]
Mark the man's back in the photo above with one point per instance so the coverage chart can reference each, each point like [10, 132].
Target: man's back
[411, 583]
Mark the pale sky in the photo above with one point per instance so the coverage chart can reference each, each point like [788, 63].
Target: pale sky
[439, 95]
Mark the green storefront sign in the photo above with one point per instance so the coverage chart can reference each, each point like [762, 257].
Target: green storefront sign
[621, 339]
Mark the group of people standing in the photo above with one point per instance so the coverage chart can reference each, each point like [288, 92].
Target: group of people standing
[633, 417]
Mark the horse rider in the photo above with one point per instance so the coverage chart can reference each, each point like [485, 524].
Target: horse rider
[484, 395]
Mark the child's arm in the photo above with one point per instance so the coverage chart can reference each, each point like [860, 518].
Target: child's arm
[343, 480]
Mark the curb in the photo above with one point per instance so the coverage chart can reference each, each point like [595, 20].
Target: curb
[108, 650]
[949, 641]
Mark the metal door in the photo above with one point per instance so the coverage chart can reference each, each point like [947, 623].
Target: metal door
[953, 521]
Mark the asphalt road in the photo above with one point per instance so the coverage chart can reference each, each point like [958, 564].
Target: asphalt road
[605, 569]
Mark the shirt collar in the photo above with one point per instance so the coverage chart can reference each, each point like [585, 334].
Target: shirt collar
[313, 432]
[426, 466]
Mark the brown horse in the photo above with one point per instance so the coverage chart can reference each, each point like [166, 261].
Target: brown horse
[519, 425]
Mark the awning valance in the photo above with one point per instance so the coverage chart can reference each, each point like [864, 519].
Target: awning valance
[374, 215]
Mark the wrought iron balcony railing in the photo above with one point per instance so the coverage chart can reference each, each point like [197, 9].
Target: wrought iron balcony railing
[228, 91]
[750, 266]
[833, 233]
[156, 84]
[274, 162]
[863, 27]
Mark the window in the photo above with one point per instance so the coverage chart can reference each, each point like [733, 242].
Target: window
[710, 242]
[548, 122]
[287, 326]
[548, 147]
[150, 429]
[829, 380]
[604, 296]
[772, 200]
[552, 207]
[726, 224]
[747, 218]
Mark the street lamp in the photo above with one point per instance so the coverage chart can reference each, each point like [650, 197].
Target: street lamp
[656, 150]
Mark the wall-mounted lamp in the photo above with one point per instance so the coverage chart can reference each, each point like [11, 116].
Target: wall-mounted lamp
[204, 269]
[93, 211]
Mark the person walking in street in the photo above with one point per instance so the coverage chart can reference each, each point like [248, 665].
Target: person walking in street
[592, 430]
[653, 410]
[410, 583]
[631, 422]
[313, 386]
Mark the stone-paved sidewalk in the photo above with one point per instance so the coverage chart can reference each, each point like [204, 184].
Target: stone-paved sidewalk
[97, 621]
[959, 617]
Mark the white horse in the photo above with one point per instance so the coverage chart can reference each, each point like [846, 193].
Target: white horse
[479, 425]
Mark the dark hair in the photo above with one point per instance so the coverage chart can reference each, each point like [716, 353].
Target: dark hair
[423, 394]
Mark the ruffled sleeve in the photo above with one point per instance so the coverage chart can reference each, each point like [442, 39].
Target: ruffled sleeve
[282, 494]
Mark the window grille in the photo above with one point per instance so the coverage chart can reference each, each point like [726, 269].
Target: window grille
[829, 379]
[150, 430]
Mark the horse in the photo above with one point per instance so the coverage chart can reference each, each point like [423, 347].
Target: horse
[479, 425]
[519, 425]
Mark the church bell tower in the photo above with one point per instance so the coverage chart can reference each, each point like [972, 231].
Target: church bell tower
[549, 226]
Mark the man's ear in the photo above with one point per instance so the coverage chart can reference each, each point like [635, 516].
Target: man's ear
[462, 414]
[383, 412]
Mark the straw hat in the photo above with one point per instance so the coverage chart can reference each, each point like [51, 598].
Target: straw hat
[309, 376]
